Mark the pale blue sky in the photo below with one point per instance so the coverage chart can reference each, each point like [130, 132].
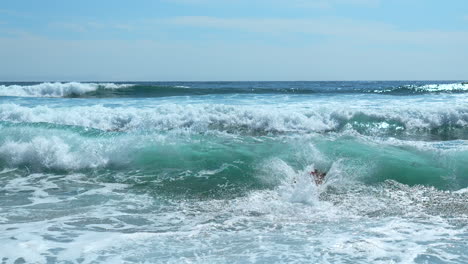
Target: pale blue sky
[234, 40]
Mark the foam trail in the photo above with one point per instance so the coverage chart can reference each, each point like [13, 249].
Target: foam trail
[56, 89]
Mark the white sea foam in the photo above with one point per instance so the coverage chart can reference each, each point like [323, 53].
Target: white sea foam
[56, 89]
[245, 118]
[462, 191]
[50, 153]
[84, 219]
[372, 224]
[431, 88]
[36, 184]
[48, 148]
[449, 87]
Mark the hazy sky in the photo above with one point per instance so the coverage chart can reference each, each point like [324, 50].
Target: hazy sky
[164, 40]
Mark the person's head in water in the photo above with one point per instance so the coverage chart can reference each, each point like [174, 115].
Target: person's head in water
[319, 176]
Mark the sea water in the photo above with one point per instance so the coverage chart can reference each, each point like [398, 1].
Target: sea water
[219, 172]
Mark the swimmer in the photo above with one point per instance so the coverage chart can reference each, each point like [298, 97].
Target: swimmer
[319, 176]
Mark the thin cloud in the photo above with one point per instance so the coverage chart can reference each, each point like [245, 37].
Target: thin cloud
[15, 32]
[169, 60]
[14, 13]
[90, 26]
[285, 3]
[348, 30]
[323, 26]
[74, 27]
[326, 3]
[352, 30]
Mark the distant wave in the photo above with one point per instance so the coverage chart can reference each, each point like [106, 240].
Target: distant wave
[105, 90]
[429, 88]
[56, 89]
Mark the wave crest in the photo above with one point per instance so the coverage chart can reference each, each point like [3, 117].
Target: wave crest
[49, 153]
[428, 88]
[56, 89]
[160, 89]
[203, 118]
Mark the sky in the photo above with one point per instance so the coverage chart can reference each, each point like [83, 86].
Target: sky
[233, 40]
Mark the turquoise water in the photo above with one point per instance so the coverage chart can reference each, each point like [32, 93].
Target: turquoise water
[219, 172]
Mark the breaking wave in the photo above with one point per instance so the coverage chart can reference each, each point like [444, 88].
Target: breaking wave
[48, 153]
[57, 89]
[428, 88]
[446, 122]
[203, 165]
[160, 89]
[203, 179]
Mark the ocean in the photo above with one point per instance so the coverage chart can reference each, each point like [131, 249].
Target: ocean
[220, 172]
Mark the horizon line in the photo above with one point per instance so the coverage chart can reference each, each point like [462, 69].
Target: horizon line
[122, 81]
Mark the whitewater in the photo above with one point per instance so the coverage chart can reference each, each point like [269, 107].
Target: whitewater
[219, 172]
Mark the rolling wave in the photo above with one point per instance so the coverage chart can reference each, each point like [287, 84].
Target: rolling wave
[106, 90]
[57, 89]
[202, 165]
[431, 121]
[195, 149]
[83, 180]
[424, 89]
